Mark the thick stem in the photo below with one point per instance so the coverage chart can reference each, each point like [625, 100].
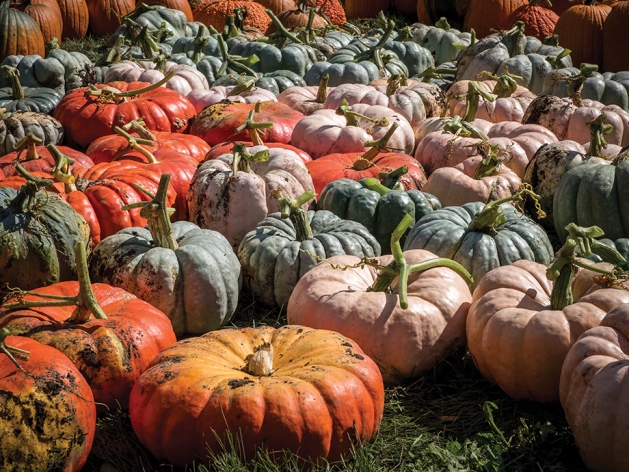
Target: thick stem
[26, 198]
[17, 92]
[491, 163]
[393, 84]
[458, 127]
[322, 93]
[519, 39]
[352, 117]
[298, 216]
[12, 352]
[391, 180]
[230, 30]
[242, 158]
[506, 84]
[562, 272]
[131, 93]
[255, 128]
[598, 130]
[364, 161]
[30, 143]
[61, 170]
[243, 87]
[281, 30]
[139, 126]
[134, 143]
[158, 217]
[584, 237]
[114, 54]
[375, 186]
[472, 100]
[261, 362]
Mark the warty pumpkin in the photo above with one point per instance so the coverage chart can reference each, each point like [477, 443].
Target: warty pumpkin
[214, 13]
[14, 126]
[540, 21]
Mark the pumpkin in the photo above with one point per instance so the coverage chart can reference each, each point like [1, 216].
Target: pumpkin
[16, 125]
[226, 148]
[190, 274]
[277, 6]
[443, 41]
[486, 15]
[380, 209]
[180, 5]
[47, 412]
[106, 15]
[306, 100]
[47, 15]
[453, 11]
[362, 9]
[296, 17]
[592, 392]
[76, 18]
[185, 78]
[89, 113]
[316, 392]
[203, 98]
[580, 22]
[19, 33]
[297, 58]
[521, 325]
[476, 179]
[214, 13]
[286, 245]
[615, 58]
[120, 333]
[19, 98]
[481, 237]
[416, 302]
[224, 122]
[539, 20]
[333, 10]
[38, 233]
[234, 192]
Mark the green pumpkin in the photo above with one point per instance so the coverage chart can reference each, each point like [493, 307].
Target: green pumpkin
[481, 237]
[189, 273]
[594, 195]
[441, 40]
[18, 98]
[375, 206]
[331, 41]
[362, 72]
[280, 251]
[38, 231]
[297, 58]
[16, 125]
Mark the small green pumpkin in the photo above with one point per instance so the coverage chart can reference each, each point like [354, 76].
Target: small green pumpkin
[375, 206]
[286, 245]
[38, 231]
[20, 98]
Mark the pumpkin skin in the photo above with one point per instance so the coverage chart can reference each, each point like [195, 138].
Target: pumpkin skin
[593, 395]
[41, 100]
[226, 148]
[234, 205]
[19, 33]
[296, 18]
[105, 15]
[485, 15]
[214, 12]
[303, 99]
[333, 9]
[277, 6]
[47, 15]
[76, 18]
[272, 259]
[180, 5]
[217, 123]
[409, 341]
[615, 58]
[43, 161]
[321, 387]
[362, 9]
[580, 22]
[517, 340]
[380, 214]
[15, 126]
[202, 98]
[61, 438]
[540, 21]
[85, 118]
[446, 232]
[196, 285]
[36, 245]
[110, 353]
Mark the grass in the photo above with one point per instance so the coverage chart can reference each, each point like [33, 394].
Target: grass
[91, 46]
[450, 419]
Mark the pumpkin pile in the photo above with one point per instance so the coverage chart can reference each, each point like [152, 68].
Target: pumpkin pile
[400, 193]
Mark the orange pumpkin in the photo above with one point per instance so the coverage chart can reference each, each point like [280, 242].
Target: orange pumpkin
[616, 57]
[214, 13]
[277, 6]
[365, 8]
[47, 15]
[333, 10]
[181, 5]
[422, 13]
[486, 16]
[296, 17]
[580, 29]
[76, 18]
[19, 33]
[405, 7]
[539, 20]
[105, 15]
[312, 392]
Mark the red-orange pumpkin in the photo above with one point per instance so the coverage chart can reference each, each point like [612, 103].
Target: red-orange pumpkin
[214, 13]
[105, 15]
[539, 20]
[47, 15]
[76, 18]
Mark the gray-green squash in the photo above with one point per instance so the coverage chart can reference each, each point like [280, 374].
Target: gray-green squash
[481, 237]
[38, 231]
[286, 245]
[18, 98]
[378, 208]
[14, 127]
[297, 58]
[189, 273]
[444, 43]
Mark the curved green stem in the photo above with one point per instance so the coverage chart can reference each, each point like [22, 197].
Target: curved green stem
[598, 130]
[375, 186]
[352, 116]
[255, 128]
[299, 217]
[17, 92]
[12, 352]
[242, 158]
[280, 28]
[230, 30]
[134, 143]
[364, 161]
[109, 94]
[139, 126]
[61, 170]
[472, 100]
[30, 143]
[158, 217]
[491, 163]
[26, 198]
[491, 216]
[459, 127]
[584, 237]
[391, 180]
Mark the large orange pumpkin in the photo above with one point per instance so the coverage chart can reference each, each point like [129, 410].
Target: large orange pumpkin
[615, 56]
[365, 8]
[181, 5]
[47, 15]
[485, 16]
[313, 392]
[580, 29]
[539, 20]
[105, 15]
[277, 6]
[19, 33]
[76, 18]
[214, 13]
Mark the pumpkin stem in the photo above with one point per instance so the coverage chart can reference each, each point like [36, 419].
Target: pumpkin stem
[515, 39]
[244, 86]
[140, 9]
[374, 54]
[472, 100]
[255, 128]
[322, 93]
[230, 30]
[157, 213]
[114, 54]
[12, 352]
[576, 82]
[52, 44]
[492, 216]
[160, 62]
[200, 41]
[162, 33]
[108, 93]
[491, 163]
[584, 237]
[443, 23]
[242, 158]
[430, 74]
[399, 268]
[139, 126]
[552, 40]
[290, 208]
[145, 41]
[506, 84]
[30, 143]
[562, 273]
[391, 180]
[134, 143]
[598, 130]
[281, 30]
[364, 161]
[61, 170]
[26, 198]
[241, 65]
[557, 61]
[459, 127]
[352, 116]
[394, 83]
[375, 186]
[260, 363]
[17, 92]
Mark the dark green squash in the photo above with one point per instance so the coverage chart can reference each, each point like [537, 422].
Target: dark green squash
[19, 98]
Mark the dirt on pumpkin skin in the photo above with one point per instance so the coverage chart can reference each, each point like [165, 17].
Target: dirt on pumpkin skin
[38, 427]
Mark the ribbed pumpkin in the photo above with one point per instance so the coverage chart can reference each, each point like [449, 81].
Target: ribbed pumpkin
[486, 15]
[615, 54]
[311, 392]
[181, 5]
[47, 15]
[15, 126]
[105, 15]
[540, 21]
[19, 33]
[333, 10]
[76, 18]
[580, 29]
[214, 13]
[365, 9]
[277, 6]
[47, 412]
[422, 13]
[296, 17]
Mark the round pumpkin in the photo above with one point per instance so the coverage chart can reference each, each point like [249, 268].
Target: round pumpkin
[296, 17]
[214, 13]
[483, 16]
[76, 18]
[106, 15]
[540, 21]
[47, 411]
[312, 392]
[19, 33]
[47, 15]
[14, 126]
[615, 58]
[277, 6]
